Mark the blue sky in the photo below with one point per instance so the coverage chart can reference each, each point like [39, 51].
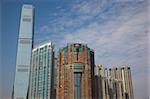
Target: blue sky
[117, 31]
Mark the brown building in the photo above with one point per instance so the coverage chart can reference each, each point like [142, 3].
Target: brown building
[75, 72]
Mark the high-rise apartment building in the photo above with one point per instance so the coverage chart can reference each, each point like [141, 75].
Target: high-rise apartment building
[113, 83]
[42, 72]
[23, 61]
[75, 71]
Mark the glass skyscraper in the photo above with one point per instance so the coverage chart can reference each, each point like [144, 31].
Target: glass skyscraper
[42, 72]
[23, 61]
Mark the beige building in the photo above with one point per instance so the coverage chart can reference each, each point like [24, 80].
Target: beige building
[113, 83]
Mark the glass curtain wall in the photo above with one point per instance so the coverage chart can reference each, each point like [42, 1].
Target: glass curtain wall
[77, 85]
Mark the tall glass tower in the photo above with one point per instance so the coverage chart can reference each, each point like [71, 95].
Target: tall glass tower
[23, 61]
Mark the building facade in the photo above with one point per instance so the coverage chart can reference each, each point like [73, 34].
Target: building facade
[113, 83]
[42, 72]
[23, 61]
[74, 72]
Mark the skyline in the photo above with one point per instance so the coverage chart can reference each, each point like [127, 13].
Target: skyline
[118, 29]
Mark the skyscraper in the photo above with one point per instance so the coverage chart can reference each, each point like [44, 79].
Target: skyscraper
[75, 70]
[42, 72]
[114, 83]
[25, 42]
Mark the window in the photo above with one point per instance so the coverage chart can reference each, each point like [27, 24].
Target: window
[22, 70]
[27, 19]
[77, 85]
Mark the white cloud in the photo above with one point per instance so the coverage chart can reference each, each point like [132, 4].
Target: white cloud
[116, 44]
[140, 86]
[118, 33]
[45, 28]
